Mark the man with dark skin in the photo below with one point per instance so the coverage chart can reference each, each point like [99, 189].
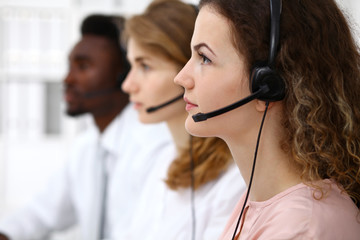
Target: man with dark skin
[98, 194]
[91, 85]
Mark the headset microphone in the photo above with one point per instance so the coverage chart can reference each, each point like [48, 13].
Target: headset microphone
[153, 109]
[199, 117]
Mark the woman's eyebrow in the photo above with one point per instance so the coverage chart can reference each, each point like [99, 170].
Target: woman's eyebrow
[200, 45]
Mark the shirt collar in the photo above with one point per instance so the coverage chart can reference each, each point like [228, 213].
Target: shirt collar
[109, 139]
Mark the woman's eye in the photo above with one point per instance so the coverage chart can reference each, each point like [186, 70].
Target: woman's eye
[204, 59]
[145, 67]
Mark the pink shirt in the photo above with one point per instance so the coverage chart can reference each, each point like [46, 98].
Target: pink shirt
[295, 214]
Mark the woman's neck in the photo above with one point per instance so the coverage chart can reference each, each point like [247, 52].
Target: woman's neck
[178, 132]
[273, 171]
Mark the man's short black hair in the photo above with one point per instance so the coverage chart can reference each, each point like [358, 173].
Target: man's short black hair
[107, 26]
[103, 25]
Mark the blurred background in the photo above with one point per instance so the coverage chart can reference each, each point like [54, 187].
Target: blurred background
[35, 39]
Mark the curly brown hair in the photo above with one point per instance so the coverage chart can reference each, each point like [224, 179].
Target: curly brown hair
[166, 28]
[320, 63]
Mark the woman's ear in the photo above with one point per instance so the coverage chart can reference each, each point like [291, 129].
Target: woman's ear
[261, 105]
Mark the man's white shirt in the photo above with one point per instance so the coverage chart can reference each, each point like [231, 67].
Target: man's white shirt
[68, 199]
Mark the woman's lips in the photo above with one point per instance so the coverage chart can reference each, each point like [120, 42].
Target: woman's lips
[189, 105]
[137, 105]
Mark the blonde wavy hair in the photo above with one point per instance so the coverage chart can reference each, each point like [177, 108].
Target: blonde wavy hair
[211, 157]
[166, 28]
[320, 63]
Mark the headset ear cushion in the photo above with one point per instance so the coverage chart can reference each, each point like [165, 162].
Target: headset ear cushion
[263, 75]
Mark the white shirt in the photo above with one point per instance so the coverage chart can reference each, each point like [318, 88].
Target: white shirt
[132, 149]
[166, 214]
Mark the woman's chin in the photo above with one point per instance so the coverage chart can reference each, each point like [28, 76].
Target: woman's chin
[198, 129]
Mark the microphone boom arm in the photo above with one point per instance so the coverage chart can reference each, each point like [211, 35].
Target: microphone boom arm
[153, 109]
[199, 117]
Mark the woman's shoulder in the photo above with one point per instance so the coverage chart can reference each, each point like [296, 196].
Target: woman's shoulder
[305, 211]
[334, 215]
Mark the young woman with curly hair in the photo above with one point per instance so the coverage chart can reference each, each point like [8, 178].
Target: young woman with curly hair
[306, 180]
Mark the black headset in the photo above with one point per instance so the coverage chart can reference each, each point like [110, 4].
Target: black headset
[264, 75]
[264, 79]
